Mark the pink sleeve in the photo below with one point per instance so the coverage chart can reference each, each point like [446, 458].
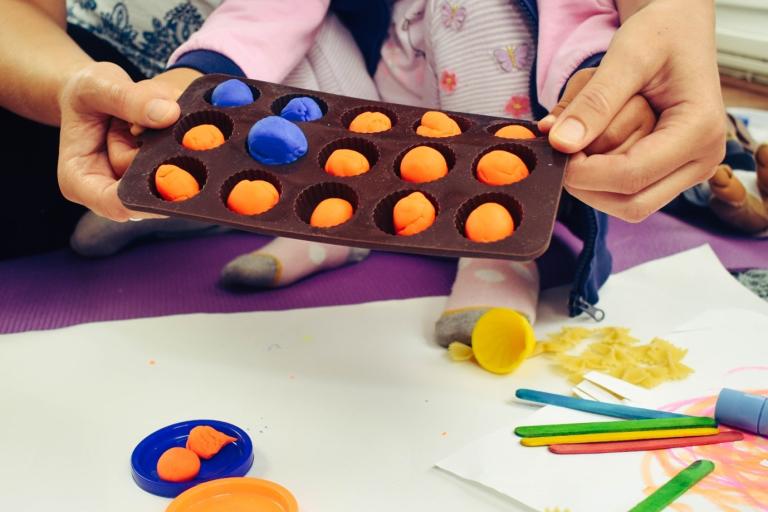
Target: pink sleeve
[266, 39]
[570, 31]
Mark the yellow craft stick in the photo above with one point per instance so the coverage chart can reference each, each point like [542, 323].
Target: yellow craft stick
[618, 436]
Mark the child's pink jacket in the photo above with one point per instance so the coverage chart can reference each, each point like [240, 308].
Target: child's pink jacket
[268, 38]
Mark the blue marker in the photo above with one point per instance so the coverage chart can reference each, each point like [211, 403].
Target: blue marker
[613, 410]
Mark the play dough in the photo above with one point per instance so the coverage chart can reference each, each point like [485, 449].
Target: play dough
[499, 167]
[515, 131]
[331, 212]
[370, 122]
[203, 137]
[276, 141]
[346, 163]
[252, 197]
[231, 93]
[302, 108]
[423, 164]
[413, 214]
[206, 441]
[489, 222]
[174, 183]
[437, 124]
[178, 465]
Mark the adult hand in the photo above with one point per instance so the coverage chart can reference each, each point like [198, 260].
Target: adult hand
[89, 101]
[665, 52]
[121, 137]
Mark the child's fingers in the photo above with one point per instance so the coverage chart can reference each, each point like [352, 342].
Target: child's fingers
[593, 108]
[137, 130]
[633, 122]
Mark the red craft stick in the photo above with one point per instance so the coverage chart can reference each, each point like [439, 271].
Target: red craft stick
[642, 445]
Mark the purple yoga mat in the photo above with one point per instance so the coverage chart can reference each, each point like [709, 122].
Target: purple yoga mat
[179, 276]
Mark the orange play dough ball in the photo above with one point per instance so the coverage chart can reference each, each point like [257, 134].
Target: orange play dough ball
[423, 164]
[178, 465]
[515, 131]
[203, 137]
[331, 212]
[413, 214]
[500, 167]
[489, 222]
[370, 122]
[346, 163]
[206, 441]
[437, 124]
[175, 184]
[252, 197]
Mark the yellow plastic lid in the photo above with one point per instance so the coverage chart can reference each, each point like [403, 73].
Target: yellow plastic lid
[502, 339]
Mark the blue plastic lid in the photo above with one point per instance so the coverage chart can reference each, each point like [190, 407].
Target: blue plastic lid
[235, 459]
[742, 411]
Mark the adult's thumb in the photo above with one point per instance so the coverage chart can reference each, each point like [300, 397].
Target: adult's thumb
[105, 88]
[591, 109]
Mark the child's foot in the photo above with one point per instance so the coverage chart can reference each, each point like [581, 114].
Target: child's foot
[484, 284]
[284, 261]
[96, 236]
[726, 186]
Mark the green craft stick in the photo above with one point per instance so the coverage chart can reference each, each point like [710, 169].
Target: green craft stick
[676, 487]
[602, 427]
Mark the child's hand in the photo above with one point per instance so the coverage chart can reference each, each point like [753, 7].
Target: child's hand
[121, 138]
[633, 121]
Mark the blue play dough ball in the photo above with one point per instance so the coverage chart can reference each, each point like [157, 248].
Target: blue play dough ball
[302, 108]
[275, 141]
[232, 93]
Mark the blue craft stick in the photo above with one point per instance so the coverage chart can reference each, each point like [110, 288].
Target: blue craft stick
[613, 410]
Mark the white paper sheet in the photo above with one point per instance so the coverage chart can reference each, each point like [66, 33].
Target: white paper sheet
[727, 348]
[349, 407]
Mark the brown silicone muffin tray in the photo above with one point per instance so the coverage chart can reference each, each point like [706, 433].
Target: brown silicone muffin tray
[533, 202]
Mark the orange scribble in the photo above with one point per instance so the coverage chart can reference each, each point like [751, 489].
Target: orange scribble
[444, 434]
[739, 478]
[152, 362]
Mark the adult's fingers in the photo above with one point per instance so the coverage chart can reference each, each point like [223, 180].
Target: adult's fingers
[105, 88]
[589, 113]
[121, 146]
[637, 207]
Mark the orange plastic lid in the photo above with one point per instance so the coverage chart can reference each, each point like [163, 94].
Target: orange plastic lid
[241, 494]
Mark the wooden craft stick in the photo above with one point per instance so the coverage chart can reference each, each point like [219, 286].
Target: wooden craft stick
[618, 436]
[601, 427]
[613, 410]
[676, 487]
[644, 445]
